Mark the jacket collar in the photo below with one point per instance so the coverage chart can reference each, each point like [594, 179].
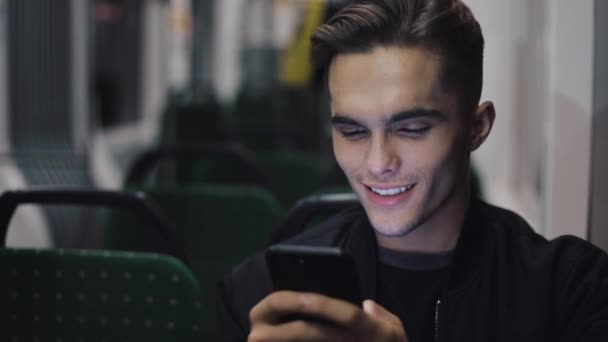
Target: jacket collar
[472, 251]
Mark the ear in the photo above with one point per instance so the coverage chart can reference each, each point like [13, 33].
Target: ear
[482, 122]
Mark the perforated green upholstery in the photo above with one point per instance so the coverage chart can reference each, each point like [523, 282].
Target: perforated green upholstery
[71, 295]
[219, 225]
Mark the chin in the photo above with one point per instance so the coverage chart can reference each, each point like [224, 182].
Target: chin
[393, 229]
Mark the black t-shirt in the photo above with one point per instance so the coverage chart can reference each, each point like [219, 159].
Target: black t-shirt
[409, 286]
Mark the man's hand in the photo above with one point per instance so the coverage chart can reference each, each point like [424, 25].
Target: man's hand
[347, 322]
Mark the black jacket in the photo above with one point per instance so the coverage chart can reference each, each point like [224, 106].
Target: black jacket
[506, 283]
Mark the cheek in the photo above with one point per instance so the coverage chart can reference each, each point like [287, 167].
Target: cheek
[450, 167]
[348, 155]
[436, 160]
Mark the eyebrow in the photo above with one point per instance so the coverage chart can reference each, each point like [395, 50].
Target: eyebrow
[340, 119]
[416, 112]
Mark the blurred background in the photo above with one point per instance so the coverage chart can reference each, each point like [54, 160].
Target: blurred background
[210, 112]
[89, 86]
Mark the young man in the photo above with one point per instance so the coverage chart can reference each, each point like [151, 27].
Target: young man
[405, 79]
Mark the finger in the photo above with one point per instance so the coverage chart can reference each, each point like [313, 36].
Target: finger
[385, 320]
[377, 311]
[336, 311]
[278, 304]
[299, 331]
[275, 306]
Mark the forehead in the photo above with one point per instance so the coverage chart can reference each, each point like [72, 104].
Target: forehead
[387, 80]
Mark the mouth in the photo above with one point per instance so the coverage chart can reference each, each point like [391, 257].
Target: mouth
[389, 196]
[391, 191]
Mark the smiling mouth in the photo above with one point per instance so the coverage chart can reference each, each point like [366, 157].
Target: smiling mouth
[392, 191]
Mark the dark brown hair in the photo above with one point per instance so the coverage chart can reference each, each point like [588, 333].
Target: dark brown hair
[445, 28]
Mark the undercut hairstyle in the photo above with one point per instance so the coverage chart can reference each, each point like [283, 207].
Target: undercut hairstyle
[444, 28]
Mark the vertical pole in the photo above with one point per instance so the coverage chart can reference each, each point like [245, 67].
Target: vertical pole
[79, 31]
[598, 215]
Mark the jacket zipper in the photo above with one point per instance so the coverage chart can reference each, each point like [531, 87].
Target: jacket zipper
[437, 319]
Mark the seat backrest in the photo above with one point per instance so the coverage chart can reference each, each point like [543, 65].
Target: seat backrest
[213, 221]
[256, 119]
[310, 210]
[188, 120]
[160, 233]
[292, 175]
[221, 163]
[78, 295]
[220, 226]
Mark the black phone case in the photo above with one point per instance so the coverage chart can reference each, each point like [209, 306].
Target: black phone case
[326, 270]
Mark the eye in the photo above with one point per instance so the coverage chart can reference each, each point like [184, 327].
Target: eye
[351, 132]
[413, 129]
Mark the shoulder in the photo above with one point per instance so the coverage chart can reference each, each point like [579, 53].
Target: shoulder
[579, 289]
[505, 223]
[512, 231]
[574, 266]
[571, 274]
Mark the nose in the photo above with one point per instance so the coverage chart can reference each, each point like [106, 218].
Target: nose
[382, 159]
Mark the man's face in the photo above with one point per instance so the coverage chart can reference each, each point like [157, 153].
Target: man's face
[398, 135]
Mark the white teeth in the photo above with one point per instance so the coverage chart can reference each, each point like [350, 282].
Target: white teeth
[391, 192]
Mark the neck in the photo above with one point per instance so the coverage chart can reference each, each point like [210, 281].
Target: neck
[439, 232]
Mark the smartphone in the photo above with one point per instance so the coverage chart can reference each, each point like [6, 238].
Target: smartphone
[325, 270]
